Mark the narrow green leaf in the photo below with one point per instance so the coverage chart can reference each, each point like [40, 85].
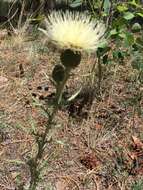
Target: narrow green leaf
[76, 3]
[140, 14]
[113, 32]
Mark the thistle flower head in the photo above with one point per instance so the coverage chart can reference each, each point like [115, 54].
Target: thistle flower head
[74, 30]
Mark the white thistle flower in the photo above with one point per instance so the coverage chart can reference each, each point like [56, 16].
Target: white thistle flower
[74, 30]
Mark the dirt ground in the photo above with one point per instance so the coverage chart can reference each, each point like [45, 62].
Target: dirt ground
[96, 144]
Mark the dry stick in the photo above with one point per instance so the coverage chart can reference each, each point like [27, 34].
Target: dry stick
[21, 15]
[110, 16]
[99, 74]
[93, 72]
[41, 140]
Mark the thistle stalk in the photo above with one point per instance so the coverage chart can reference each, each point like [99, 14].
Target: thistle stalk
[73, 33]
[34, 162]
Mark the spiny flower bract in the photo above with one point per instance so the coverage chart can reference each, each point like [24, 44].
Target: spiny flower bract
[74, 30]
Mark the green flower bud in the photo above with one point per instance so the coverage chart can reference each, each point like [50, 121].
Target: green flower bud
[70, 58]
[58, 73]
[136, 27]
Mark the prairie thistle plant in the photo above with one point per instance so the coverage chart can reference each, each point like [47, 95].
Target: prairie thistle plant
[72, 33]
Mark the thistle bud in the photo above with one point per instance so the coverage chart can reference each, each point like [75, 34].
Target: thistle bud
[58, 73]
[70, 58]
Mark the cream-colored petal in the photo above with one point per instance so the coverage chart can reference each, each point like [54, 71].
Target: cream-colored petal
[74, 30]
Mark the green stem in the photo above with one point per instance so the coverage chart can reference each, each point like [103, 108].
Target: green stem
[41, 140]
[60, 87]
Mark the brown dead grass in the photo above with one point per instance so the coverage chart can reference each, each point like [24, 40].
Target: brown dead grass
[92, 144]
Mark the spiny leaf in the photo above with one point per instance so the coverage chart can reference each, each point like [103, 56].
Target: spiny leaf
[74, 95]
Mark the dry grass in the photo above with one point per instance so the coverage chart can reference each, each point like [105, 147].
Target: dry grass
[93, 143]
